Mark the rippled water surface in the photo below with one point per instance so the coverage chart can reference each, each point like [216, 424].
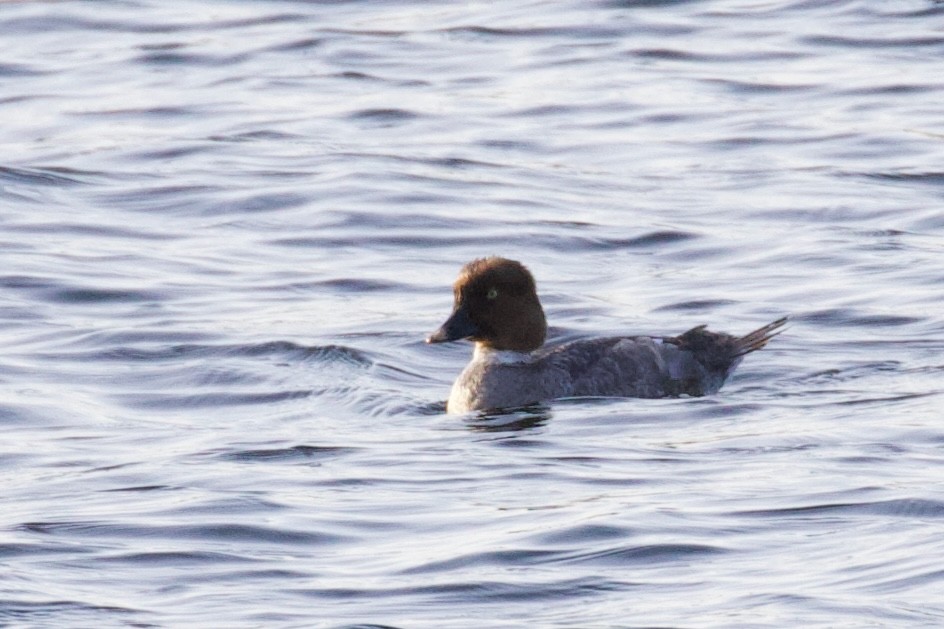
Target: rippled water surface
[226, 228]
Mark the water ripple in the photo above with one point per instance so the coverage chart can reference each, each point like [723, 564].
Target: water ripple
[903, 508]
[293, 454]
[217, 533]
[50, 176]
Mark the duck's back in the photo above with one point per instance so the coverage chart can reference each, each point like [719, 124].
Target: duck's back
[695, 363]
[619, 366]
[642, 367]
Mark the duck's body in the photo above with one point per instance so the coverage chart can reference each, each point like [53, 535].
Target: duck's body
[497, 307]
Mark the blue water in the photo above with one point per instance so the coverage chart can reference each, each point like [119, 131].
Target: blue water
[226, 228]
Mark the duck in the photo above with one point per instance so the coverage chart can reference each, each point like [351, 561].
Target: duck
[496, 306]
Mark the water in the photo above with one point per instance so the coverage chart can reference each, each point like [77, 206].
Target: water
[227, 228]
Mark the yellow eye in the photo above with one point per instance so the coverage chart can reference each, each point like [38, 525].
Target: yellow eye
[492, 293]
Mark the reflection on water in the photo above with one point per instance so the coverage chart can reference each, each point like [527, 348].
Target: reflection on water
[510, 420]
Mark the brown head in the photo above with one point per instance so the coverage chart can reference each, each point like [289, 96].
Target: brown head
[496, 304]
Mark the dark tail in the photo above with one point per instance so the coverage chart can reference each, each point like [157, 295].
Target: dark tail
[721, 352]
[753, 341]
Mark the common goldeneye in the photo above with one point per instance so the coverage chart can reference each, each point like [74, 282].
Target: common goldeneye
[496, 305]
